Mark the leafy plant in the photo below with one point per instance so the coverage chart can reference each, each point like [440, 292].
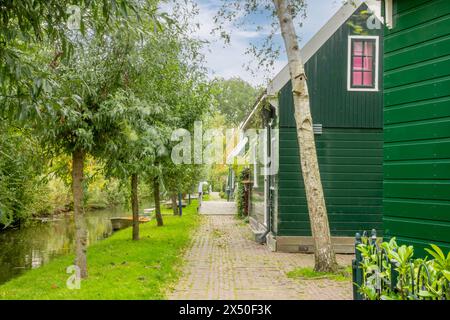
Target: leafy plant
[21, 166]
[390, 272]
[240, 193]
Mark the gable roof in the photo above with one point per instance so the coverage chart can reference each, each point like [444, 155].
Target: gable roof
[322, 36]
[312, 46]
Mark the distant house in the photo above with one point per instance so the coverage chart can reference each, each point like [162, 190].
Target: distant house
[344, 69]
[417, 122]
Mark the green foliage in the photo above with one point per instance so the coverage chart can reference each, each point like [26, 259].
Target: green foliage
[179, 86]
[27, 25]
[390, 272]
[239, 196]
[116, 89]
[234, 99]
[75, 118]
[267, 50]
[343, 274]
[119, 268]
[21, 164]
[181, 178]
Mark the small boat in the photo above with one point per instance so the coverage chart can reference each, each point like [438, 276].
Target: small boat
[119, 223]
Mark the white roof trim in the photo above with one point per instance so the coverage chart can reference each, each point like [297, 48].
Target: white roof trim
[238, 149]
[261, 99]
[318, 40]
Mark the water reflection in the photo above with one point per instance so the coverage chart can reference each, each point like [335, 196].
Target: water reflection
[37, 243]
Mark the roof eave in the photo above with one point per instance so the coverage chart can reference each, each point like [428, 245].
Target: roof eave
[322, 36]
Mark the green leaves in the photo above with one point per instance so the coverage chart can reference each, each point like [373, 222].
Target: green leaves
[446, 274]
[21, 163]
[234, 98]
[400, 276]
[28, 28]
[115, 88]
[439, 256]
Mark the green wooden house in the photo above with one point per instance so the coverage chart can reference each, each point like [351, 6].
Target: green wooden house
[416, 185]
[344, 71]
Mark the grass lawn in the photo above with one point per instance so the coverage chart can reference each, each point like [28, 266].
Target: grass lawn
[118, 267]
[343, 274]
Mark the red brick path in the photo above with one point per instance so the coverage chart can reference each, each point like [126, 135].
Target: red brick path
[224, 263]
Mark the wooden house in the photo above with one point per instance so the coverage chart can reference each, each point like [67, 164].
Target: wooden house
[344, 70]
[416, 77]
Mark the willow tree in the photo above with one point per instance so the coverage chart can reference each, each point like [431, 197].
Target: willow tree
[180, 178]
[68, 127]
[177, 83]
[235, 98]
[131, 153]
[282, 14]
[27, 25]
[95, 71]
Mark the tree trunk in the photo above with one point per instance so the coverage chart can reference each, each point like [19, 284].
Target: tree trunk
[158, 215]
[173, 198]
[78, 212]
[325, 259]
[135, 205]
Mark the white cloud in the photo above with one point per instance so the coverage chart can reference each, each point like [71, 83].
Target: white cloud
[228, 60]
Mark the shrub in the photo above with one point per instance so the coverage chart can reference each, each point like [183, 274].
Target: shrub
[391, 273]
[240, 192]
[21, 165]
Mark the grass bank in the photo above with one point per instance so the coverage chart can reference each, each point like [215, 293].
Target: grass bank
[343, 274]
[118, 267]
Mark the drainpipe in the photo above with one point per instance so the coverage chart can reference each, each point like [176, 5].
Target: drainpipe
[263, 237]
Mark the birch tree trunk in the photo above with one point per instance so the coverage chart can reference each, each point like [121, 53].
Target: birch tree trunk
[325, 259]
[78, 211]
[135, 205]
[158, 215]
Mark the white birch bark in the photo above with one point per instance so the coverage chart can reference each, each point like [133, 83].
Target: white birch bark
[325, 259]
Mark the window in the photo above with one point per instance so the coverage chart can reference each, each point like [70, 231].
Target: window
[363, 63]
[255, 168]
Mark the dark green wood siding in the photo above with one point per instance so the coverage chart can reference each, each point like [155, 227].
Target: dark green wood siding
[349, 150]
[332, 104]
[350, 164]
[417, 124]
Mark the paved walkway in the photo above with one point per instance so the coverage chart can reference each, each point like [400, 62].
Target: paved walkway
[224, 263]
[217, 207]
[215, 196]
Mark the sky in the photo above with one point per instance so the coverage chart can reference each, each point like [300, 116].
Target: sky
[228, 60]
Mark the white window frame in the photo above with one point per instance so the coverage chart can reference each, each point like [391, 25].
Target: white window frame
[349, 63]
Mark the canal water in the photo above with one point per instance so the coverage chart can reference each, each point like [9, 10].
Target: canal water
[39, 241]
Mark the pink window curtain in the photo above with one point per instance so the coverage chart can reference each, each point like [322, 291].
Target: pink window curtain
[362, 63]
